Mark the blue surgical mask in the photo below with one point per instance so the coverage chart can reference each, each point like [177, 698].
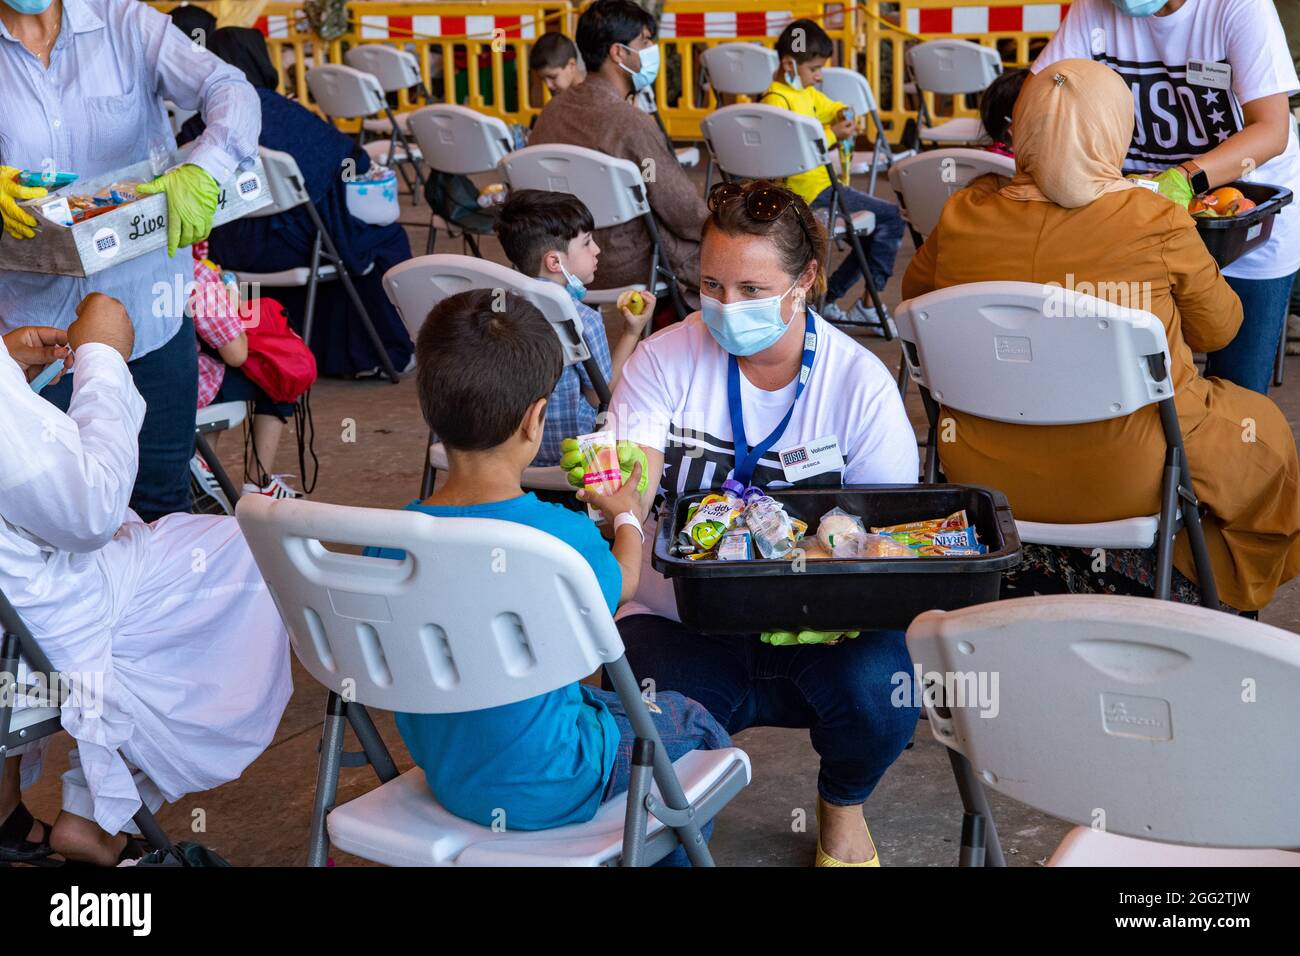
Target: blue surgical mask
[573, 285]
[745, 327]
[29, 6]
[649, 67]
[1139, 8]
[793, 81]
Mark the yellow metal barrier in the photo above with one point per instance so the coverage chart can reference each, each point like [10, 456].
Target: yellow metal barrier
[476, 52]
[689, 27]
[1017, 29]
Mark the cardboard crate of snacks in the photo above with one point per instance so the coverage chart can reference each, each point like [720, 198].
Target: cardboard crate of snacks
[124, 232]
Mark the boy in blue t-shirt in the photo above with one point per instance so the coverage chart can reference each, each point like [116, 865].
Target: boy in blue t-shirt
[548, 235]
[483, 376]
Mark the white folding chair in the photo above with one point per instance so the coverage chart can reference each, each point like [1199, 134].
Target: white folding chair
[737, 69]
[396, 70]
[614, 192]
[417, 285]
[1166, 731]
[1041, 355]
[29, 673]
[456, 140]
[289, 191]
[216, 417]
[953, 68]
[345, 92]
[753, 141]
[924, 182]
[852, 89]
[445, 631]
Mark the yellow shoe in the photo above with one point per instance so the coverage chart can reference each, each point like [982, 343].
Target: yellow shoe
[825, 859]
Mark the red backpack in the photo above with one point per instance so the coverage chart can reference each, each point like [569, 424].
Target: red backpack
[279, 362]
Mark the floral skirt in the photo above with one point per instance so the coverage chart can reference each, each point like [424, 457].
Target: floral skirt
[1046, 569]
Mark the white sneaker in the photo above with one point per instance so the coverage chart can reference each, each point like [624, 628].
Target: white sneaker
[275, 488]
[831, 312]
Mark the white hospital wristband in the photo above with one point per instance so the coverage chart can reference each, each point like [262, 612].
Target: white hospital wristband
[631, 520]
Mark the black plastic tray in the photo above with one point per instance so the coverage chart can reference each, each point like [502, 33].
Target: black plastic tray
[1230, 238]
[830, 594]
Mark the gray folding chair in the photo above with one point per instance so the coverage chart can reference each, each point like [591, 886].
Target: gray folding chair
[289, 191]
[20, 726]
[924, 182]
[1041, 355]
[954, 68]
[737, 69]
[417, 285]
[1165, 731]
[614, 192]
[446, 631]
[753, 141]
[345, 92]
[217, 417]
[852, 89]
[456, 140]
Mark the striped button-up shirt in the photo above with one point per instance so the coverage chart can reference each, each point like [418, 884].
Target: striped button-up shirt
[99, 107]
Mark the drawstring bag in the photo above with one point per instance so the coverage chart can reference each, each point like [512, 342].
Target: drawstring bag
[184, 853]
[455, 198]
[279, 362]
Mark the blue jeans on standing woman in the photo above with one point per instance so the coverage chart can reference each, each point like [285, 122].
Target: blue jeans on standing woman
[881, 247]
[1248, 359]
[845, 694]
[168, 381]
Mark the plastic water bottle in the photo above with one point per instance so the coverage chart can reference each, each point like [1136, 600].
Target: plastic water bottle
[846, 151]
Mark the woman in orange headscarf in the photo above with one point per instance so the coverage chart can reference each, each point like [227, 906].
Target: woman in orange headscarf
[1070, 217]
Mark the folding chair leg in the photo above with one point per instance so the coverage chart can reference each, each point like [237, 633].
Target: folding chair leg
[637, 822]
[327, 778]
[313, 280]
[1279, 363]
[1167, 528]
[332, 253]
[371, 743]
[433, 235]
[410, 157]
[218, 471]
[148, 826]
[8, 665]
[473, 244]
[979, 843]
[1200, 554]
[855, 244]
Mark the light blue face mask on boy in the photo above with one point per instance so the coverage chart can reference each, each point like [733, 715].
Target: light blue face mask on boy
[745, 327]
[649, 67]
[1139, 8]
[573, 285]
[29, 6]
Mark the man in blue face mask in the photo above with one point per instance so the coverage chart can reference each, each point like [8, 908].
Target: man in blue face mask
[616, 40]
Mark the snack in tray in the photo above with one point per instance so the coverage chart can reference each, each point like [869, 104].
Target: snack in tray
[736, 545]
[836, 524]
[775, 533]
[708, 521]
[937, 537]
[860, 544]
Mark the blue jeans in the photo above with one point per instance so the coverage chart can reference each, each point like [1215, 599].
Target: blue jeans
[168, 380]
[1248, 359]
[683, 726]
[881, 246]
[843, 693]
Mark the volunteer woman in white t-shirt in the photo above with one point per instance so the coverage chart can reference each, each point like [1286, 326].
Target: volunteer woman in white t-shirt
[720, 396]
[1210, 81]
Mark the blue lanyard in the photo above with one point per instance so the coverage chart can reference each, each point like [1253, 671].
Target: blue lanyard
[746, 457]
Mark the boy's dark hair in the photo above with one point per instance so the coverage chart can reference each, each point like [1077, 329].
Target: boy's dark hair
[997, 102]
[481, 358]
[532, 222]
[608, 22]
[551, 52]
[804, 40]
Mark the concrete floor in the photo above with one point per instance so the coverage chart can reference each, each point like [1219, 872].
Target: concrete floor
[262, 818]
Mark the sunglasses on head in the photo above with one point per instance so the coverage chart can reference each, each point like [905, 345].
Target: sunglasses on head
[763, 203]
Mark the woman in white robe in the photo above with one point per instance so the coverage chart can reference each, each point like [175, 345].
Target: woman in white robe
[181, 656]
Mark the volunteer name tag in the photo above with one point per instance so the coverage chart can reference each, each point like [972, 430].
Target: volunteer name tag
[1150, 184]
[813, 458]
[1216, 75]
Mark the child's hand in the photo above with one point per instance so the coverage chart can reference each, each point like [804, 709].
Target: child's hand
[844, 129]
[635, 321]
[625, 499]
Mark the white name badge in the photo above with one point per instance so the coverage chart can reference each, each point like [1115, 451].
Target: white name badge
[812, 458]
[1216, 75]
[1150, 184]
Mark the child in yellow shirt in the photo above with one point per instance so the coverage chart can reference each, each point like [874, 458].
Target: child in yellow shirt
[805, 49]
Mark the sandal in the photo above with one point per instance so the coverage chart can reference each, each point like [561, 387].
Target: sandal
[14, 845]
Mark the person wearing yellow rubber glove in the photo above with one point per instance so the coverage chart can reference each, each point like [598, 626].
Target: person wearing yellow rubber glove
[790, 638]
[191, 203]
[18, 222]
[88, 81]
